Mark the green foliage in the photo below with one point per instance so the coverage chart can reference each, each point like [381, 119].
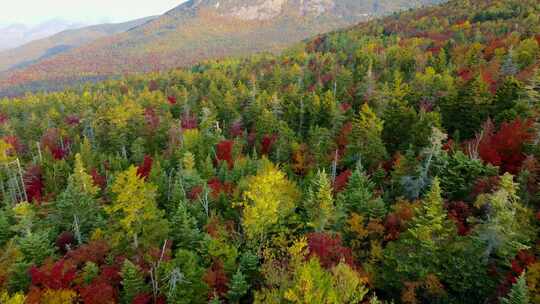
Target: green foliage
[184, 279]
[519, 294]
[459, 173]
[186, 233]
[507, 226]
[36, 246]
[132, 282]
[320, 203]
[238, 287]
[366, 142]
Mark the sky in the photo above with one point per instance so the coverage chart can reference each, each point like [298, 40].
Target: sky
[32, 12]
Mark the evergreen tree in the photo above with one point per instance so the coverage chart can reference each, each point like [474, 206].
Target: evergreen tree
[320, 203]
[185, 233]
[238, 287]
[366, 141]
[431, 225]
[132, 282]
[519, 294]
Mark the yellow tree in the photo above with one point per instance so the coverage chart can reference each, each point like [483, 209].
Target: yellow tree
[135, 204]
[270, 197]
[5, 149]
[82, 180]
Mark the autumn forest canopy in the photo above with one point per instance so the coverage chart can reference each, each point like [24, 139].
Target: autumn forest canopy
[397, 161]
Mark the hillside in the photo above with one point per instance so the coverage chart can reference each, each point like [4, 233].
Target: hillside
[64, 41]
[198, 30]
[396, 161]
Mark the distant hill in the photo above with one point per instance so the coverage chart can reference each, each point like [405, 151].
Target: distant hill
[15, 35]
[197, 30]
[41, 49]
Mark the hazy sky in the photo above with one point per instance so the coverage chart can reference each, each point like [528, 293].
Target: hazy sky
[87, 11]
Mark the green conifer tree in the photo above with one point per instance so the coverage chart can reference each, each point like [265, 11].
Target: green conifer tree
[132, 282]
[519, 294]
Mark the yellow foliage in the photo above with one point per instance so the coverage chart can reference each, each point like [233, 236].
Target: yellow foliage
[314, 285]
[82, 179]
[63, 296]
[135, 203]
[356, 226]
[120, 115]
[17, 298]
[533, 282]
[269, 198]
[190, 138]
[5, 150]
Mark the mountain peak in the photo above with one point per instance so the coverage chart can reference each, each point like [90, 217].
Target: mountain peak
[252, 10]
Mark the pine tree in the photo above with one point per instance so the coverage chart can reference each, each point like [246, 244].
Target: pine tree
[431, 225]
[238, 287]
[320, 203]
[132, 282]
[519, 294]
[185, 233]
[81, 179]
[359, 196]
[366, 138]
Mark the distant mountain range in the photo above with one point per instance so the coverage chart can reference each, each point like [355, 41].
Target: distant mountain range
[14, 35]
[194, 31]
[41, 49]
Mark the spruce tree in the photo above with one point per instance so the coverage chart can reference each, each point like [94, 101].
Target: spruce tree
[132, 282]
[238, 287]
[320, 203]
[519, 294]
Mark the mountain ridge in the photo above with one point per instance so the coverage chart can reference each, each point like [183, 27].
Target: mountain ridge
[198, 30]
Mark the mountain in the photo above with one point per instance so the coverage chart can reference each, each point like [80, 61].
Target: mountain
[15, 35]
[197, 30]
[43, 48]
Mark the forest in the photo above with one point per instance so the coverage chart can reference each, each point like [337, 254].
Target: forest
[397, 161]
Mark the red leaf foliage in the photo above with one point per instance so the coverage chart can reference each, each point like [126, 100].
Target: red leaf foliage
[267, 142]
[237, 129]
[505, 147]
[143, 298]
[458, 212]
[15, 143]
[95, 252]
[342, 180]
[98, 292]
[172, 100]
[55, 143]
[219, 188]
[33, 183]
[329, 249]
[189, 121]
[72, 120]
[57, 276]
[99, 180]
[144, 169]
[217, 279]
[65, 241]
[224, 152]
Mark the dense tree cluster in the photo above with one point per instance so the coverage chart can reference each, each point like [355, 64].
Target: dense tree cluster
[394, 162]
